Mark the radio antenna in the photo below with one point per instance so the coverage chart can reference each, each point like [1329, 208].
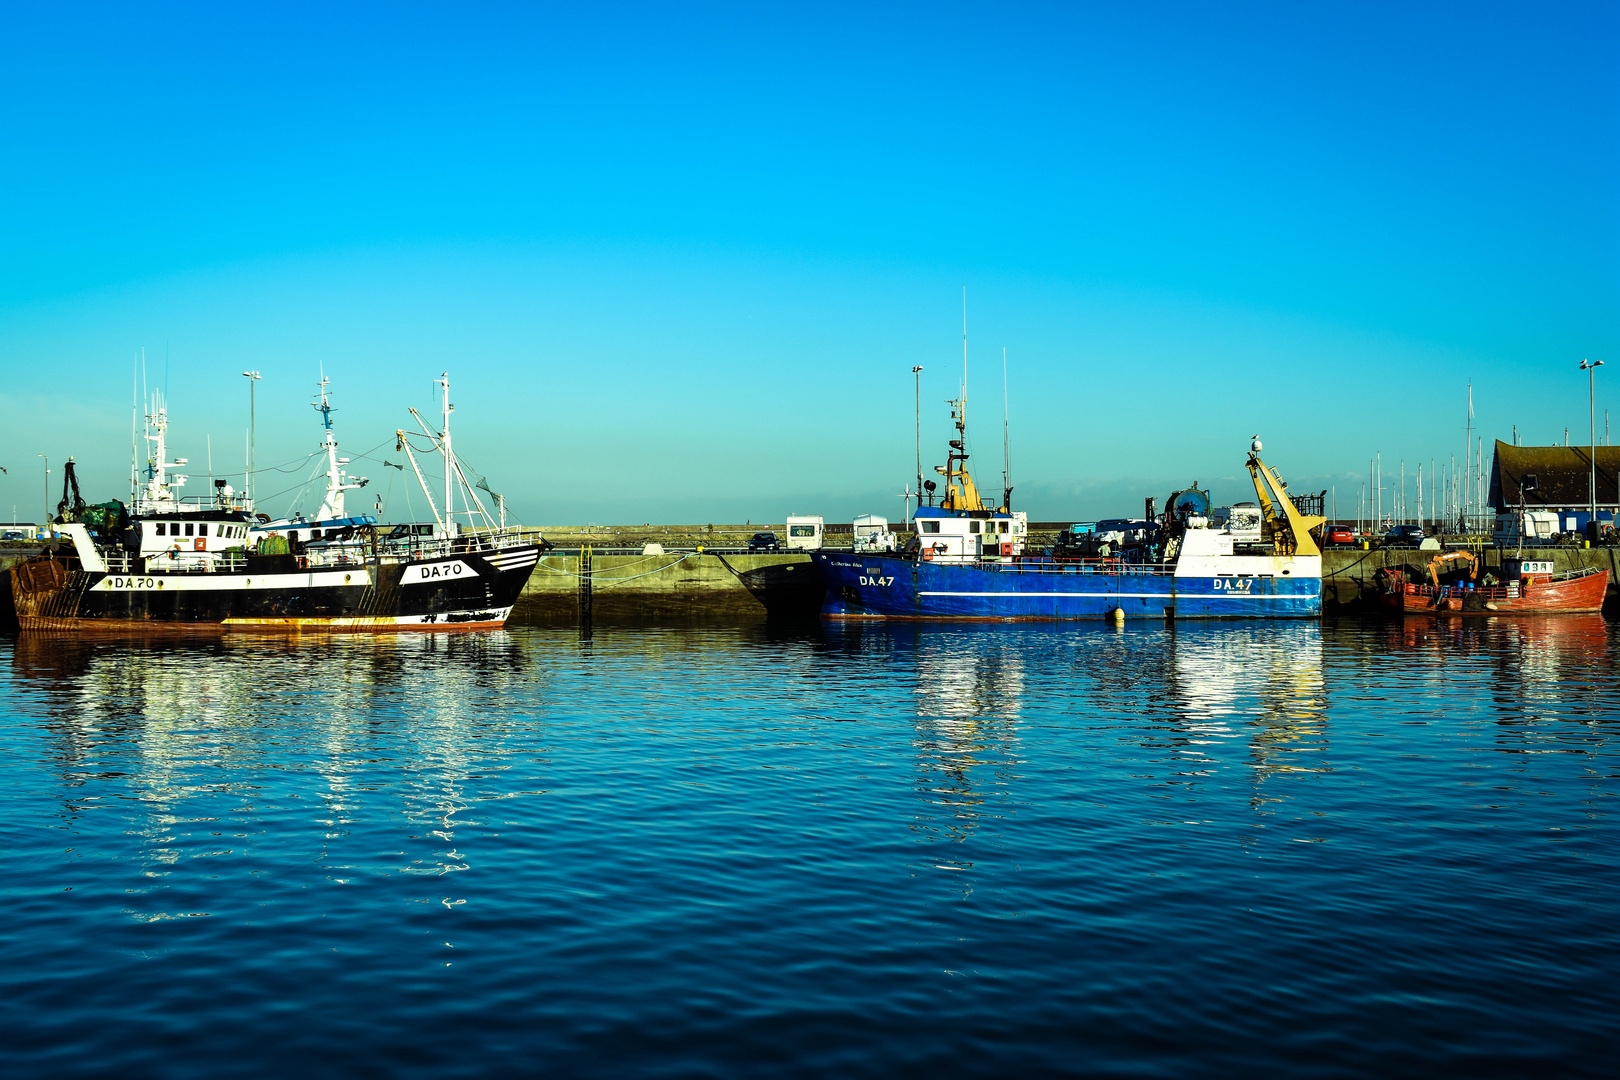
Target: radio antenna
[964, 354]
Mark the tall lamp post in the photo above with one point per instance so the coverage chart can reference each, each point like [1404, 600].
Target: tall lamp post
[47, 462]
[253, 432]
[1590, 367]
[916, 378]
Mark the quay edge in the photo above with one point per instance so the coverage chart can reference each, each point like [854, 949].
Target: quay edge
[682, 585]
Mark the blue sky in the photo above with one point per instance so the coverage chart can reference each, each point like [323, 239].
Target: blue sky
[680, 260]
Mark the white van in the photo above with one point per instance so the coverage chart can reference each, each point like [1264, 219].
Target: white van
[804, 532]
[872, 534]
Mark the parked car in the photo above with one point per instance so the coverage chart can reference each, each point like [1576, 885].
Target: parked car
[1404, 536]
[1339, 536]
[764, 541]
[1119, 534]
[1073, 542]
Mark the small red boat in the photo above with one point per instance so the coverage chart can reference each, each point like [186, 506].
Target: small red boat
[1531, 588]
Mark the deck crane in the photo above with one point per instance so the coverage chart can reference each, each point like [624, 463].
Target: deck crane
[1290, 529]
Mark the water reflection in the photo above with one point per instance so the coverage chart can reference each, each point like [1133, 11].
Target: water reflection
[1262, 683]
[967, 686]
[970, 686]
[194, 731]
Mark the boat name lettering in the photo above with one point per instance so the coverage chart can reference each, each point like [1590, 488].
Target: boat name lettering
[875, 580]
[1234, 584]
[132, 583]
[439, 571]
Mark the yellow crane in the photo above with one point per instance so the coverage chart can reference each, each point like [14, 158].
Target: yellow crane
[1290, 529]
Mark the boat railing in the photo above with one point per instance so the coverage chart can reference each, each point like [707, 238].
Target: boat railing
[1111, 567]
[1507, 591]
[190, 504]
[214, 502]
[419, 547]
[1510, 591]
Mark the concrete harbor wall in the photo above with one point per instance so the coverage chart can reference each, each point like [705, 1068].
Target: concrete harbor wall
[678, 584]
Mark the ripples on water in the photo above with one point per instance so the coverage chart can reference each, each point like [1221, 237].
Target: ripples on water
[1202, 850]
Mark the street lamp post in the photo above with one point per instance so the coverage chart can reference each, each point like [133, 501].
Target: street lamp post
[1590, 367]
[253, 432]
[47, 462]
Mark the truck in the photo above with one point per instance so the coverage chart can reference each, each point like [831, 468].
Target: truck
[872, 534]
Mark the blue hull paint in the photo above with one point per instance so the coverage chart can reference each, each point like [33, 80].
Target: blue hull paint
[884, 586]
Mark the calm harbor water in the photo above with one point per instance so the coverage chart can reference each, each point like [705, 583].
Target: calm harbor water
[1207, 850]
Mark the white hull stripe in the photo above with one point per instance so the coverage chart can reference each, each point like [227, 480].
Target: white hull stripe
[1143, 595]
[323, 579]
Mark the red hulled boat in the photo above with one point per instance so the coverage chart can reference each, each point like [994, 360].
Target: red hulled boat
[1531, 588]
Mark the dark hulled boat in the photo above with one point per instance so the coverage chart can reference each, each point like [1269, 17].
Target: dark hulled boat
[188, 564]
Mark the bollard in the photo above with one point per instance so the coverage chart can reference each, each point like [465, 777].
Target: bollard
[585, 587]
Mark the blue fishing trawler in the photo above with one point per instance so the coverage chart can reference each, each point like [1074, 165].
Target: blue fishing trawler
[969, 560]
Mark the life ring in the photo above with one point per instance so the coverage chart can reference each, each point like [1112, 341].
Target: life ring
[932, 550]
[200, 544]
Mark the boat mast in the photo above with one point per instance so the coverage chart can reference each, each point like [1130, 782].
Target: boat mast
[332, 504]
[1006, 440]
[449, 463]
[134, 423]
[960, 491]
[916, 378]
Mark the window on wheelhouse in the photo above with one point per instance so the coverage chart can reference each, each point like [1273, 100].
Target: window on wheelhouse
[930, 526]
[973, 526]
[159, 529]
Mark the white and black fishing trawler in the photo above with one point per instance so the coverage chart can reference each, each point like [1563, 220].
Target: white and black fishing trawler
[193, 563]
